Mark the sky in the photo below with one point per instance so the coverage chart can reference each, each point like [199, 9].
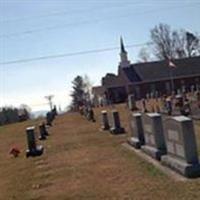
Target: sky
[35, 28]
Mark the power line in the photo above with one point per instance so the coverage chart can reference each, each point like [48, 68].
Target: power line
[61, 13]
[62, 26]
[70, 54]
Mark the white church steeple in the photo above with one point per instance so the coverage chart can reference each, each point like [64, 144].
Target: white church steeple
[124, 62]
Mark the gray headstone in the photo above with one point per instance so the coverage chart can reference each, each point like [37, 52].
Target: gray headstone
[33, 149]
[181, 145]
[30, 133]
[137, 133]
[154, 136]
[49, 118]
[105, 122]
[131, 102]
[116, 125]
[43, 132]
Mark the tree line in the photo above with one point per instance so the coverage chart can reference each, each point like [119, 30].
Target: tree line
[10, 114]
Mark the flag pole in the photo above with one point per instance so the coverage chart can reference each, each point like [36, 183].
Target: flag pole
[172, 80]
[171, 66]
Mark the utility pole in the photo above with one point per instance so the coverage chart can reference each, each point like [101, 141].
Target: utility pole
[49, 99]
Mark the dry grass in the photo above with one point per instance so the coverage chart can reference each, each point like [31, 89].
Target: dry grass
[81, 162]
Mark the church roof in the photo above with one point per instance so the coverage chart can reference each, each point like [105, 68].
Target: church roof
[98, 90]
[159, 70]
[111, 80]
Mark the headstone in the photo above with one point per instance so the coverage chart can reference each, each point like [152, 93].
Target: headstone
[181, 145]
[49, 118]
[54, 111]
[45, 129]
[154, 136]
[90, 115]
[43, 132]
[33, 149]
[116, 125]
[137, 133]
[178, 91]
[131, 102]
[144, 107]
[85, 111]
[105, 122]
[169, 106]
[192, 88]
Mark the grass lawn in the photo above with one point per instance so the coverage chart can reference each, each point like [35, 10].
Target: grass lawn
[81, 162]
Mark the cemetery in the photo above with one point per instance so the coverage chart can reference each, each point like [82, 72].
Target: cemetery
[76, 123]
[137, 138]
[77, 147]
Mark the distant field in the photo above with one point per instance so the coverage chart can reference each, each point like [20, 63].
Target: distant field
[80, 162]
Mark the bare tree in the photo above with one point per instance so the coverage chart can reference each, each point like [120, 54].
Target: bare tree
[174, 43]
[161, 36]
[192, 44]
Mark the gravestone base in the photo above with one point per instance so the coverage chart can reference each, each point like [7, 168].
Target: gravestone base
[49, 124]
[105, 128]
[187, 170]
[118, 130]
[134, 142]
[42, 137]
[46, 131]
[36, 152]
[153, 152]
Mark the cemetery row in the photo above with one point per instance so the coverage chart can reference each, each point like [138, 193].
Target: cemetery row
[187, 104]
[168, 139]
[33, 148]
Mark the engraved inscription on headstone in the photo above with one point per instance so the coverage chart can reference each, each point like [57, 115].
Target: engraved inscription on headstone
[170, 147]
[173, 135]
[148, 128]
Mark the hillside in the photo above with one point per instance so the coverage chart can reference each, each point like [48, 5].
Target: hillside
[81, 162]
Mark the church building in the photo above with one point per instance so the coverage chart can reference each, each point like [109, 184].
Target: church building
[140, 79]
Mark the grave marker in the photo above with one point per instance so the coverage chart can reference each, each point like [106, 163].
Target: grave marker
[137, 133]
[90, 115]
[154, 136]
[131, 102]
[49, 118]
[43, 132]
[116, 125]
[33, 149]
[182, 153]
[105, 122]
